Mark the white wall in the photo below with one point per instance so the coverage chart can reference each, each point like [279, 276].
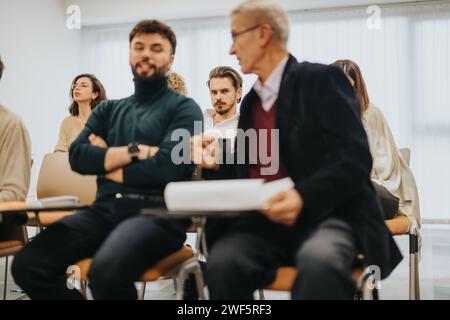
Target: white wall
[406, 64]
[98, 12]
[41, 57]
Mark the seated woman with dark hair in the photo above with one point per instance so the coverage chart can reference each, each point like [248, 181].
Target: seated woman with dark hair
[391, 175]
[86, 93]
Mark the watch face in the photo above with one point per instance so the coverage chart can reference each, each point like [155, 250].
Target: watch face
[133, 148]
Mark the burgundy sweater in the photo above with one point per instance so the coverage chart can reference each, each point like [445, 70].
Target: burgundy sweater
[259, 120]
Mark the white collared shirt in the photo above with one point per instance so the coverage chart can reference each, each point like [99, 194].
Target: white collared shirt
[226, 128]
[268, 92]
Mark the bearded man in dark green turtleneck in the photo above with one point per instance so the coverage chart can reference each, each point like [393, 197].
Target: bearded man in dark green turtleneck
[127, 144]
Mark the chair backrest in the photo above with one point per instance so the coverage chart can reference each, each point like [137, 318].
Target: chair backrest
[406, 154]
[56, 178]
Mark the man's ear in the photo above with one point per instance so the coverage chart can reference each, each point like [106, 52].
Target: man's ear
[172, 58]
[265, 35]
[239, 95]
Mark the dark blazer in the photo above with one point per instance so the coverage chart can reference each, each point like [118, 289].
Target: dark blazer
[324, 149]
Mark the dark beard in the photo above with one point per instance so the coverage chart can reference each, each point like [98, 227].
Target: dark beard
[223, 111]
[157, 76]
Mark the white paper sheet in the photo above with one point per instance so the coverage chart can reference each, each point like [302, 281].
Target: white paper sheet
[222, 195]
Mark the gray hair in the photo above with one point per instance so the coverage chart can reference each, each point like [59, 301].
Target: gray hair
[269, 12]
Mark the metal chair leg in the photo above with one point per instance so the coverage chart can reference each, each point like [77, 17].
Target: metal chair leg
[414, 282]
[364, 290]
[141, 294]
[180, 284]
[199, 282]
[174, 279]
[83, 288]
[375, 295]
[5, 283]
[261, 294]
[191, 266]
[417, 282]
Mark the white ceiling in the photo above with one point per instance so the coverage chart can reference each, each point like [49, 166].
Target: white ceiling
[97, 12]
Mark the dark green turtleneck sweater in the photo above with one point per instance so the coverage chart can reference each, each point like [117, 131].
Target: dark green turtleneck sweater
[147, 117]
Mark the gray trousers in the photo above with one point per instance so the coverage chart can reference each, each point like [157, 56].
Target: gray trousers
[241, 262]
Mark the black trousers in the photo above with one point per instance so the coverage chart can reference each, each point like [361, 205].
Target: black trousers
[122, 243]
[244, 259]
[389, 203]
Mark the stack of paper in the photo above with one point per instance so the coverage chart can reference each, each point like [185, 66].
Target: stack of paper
[222, 195]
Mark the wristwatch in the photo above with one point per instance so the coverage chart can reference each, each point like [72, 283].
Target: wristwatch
[133, 151]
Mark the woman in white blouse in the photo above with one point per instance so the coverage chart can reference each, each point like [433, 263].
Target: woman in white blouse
[391, 174]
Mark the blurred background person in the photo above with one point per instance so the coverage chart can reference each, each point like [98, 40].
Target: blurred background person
[176, 83]
[391, 175]
[225, 90]
[86, 93]
[15, 155]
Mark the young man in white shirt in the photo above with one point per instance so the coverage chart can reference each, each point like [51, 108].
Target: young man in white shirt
[225, 89]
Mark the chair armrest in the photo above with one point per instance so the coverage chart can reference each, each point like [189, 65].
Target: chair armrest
[403, 225]
[13, 212]
[199, 223]
[400, 225]
[414, 228]
[415, 240]
[12, 206]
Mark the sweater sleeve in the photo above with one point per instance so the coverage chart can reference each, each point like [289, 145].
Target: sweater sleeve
[62, 145]
[172, 161]
[85, 158]
[15, 161]
[348, 162]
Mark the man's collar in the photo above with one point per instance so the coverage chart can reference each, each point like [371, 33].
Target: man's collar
[210, 113]
[273, 82]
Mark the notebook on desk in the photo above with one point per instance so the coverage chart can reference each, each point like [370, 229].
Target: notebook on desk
[60, 202]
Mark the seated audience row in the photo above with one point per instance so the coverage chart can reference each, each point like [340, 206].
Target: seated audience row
[321, 144]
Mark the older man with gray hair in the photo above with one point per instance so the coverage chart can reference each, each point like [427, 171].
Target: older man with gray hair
[332, 213]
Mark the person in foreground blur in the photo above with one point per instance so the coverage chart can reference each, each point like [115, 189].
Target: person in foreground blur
[391, 175]
[331, 214]
[15, 155]
[118, 145]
